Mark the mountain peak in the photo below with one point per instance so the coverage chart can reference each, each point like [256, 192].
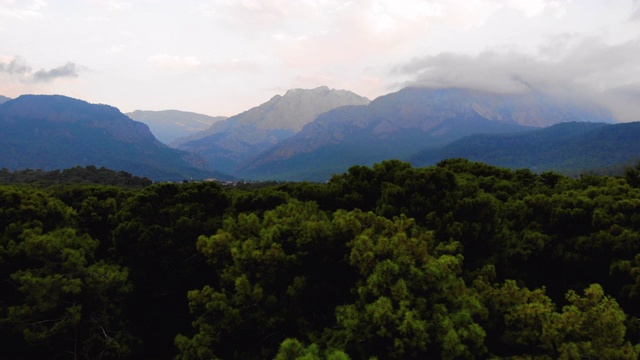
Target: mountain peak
[406, 122]
[4, 99]
[230, 142]
[57, 108]
[298, 91]
[292, 111]
[298, 107]
[55, 132]
[64, 109]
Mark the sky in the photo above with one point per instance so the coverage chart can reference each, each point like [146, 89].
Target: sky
[222, 57]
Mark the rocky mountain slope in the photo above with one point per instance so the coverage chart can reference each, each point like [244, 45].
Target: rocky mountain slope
[170, 125]
[231, 142]
[57, 132]
[401, 124]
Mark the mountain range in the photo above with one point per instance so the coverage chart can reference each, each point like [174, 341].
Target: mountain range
[4, 99]
[570, 148]
[229, 143]
[313, 134]
[56, 132]
[405, 123]
[170, 125]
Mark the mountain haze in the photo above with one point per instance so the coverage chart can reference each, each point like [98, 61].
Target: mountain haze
[229, 143]
[169, 125]
[401, 124]
[56, 132]
[4, 99]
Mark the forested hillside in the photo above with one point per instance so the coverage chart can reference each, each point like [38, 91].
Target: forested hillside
[571, 148]
[89, 175]
[457, 261]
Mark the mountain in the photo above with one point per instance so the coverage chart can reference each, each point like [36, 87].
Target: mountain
[56, 132]
[169, 125]
[231, 142]
[4, 99]
[570, 148]
[404, 123]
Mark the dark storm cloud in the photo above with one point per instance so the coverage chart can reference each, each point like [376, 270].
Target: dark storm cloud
[67, 70]
[588, 68]
[16, 66]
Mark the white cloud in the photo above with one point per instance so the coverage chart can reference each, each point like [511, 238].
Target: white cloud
[237, 65]
[26, 10]
[115, 49]
[590, 69]
[536, 7]
[97, 20]
[242, 47]
[115, 5]
[167, 61]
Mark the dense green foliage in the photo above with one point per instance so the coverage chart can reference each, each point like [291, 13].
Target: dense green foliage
[457, 261]
[75, 175]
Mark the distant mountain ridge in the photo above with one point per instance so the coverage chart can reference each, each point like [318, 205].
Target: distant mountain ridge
[231, 142]
[401, 124]
[337, 129]
[569, 148]
[57, 132]
[4, 99]
[58, 109]
[170, 125]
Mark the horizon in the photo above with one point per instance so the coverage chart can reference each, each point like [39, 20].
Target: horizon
[221, 58]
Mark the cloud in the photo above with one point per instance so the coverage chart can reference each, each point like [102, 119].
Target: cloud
[115, 5]
[260, 11]
[588, 69]
[636, 15]
[32, 10]
[115, 49]
[237, 65]
[67, 70]
[623, 101]
[167, 61]
[590, 63]
[97, 20]
[16, 65]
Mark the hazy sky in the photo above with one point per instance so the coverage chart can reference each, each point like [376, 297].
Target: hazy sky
[221, 57]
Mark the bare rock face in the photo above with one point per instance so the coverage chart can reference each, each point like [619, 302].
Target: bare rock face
[229, 143]
[299, 107]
